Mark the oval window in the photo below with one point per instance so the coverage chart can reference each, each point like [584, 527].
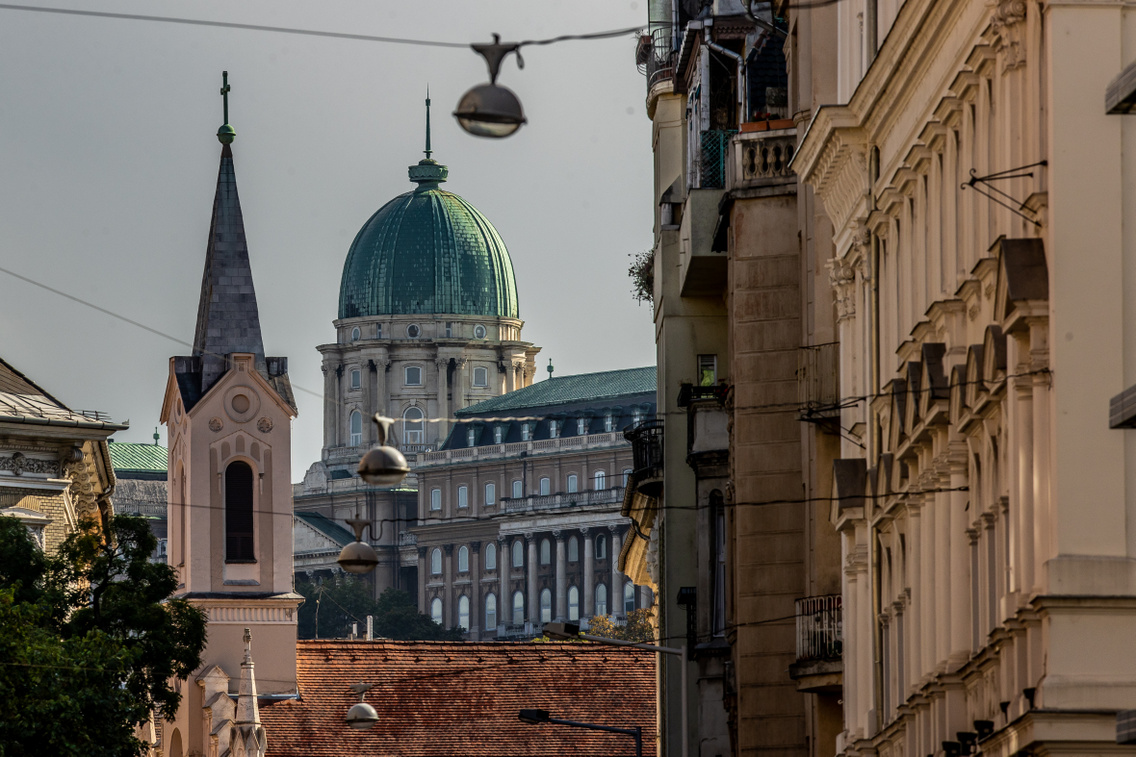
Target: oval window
[413, 331]
[479, 331]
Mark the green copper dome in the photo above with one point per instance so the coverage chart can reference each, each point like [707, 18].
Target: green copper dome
[426, 252]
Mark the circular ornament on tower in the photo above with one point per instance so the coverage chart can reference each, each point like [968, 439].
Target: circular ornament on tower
[413, 331]
[264, 425]
[241, 403]
[216, 424]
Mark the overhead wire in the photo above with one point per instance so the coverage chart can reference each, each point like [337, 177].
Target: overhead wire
[608, 34]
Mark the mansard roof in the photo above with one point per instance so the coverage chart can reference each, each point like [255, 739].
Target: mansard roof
[565, 390]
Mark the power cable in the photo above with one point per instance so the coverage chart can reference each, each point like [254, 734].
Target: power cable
[306, 32]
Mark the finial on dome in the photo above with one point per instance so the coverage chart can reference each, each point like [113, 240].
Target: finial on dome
[226, 134]
[428, 150]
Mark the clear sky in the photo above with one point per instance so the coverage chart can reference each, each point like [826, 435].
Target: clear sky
[108, 165]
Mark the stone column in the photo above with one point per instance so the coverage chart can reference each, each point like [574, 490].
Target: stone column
[510, 378]
[589, 588]
[329, 406]
[505, 597]
[439, 433]
[368, 387]
[337, 414]
[382, 387]
[461, 383]
[560, 611]
[423, 573]
[449, 611]
[532, 605]
[960, 557]
[475, 608]
[615, 598]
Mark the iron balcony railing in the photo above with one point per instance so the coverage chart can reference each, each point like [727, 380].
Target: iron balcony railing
[820, 628]
[655, 55]
[646, 448]
[714, 147]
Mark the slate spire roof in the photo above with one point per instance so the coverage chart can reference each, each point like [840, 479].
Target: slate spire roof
[227, 316]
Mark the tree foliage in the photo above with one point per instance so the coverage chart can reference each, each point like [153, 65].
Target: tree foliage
[638, 627]
[642, 273]
[89, 640]
[331, 607]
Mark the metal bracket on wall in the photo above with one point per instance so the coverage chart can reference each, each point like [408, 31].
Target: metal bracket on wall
[1010, 173]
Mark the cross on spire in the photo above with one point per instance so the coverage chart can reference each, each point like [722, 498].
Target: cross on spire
[428, 150]
[226, 134]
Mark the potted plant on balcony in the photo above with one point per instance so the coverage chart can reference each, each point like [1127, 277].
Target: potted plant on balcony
[766, 122]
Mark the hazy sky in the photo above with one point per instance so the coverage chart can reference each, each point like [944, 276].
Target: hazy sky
[108, 165]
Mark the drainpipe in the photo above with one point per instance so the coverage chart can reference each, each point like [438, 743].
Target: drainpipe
[741, 78]
[871, 28]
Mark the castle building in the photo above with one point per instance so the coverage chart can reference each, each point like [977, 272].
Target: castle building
[428, 324]
[519, 511]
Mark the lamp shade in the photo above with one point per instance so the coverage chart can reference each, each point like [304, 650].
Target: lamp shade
[490, 110]
[362, 716]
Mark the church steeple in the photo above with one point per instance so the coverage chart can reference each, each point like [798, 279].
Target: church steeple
[227, 317]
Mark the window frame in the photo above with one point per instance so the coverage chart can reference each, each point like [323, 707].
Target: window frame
[599, 480]
[436, 499]
[356, 380]
[463, 497]
[355, 429]
[413, 435]
[490, 494]
[573, 549]
[545, 552]
[436, 561]
[463, 559]
[518, 489]
[490, 558]
[546, 605]
[436, 610]
[573, 603]
[545, 485]
[490, 611]
[600, 594]
[573, 483]
[517, 556]
[518, 607]
[483, 372]
[240, 513]
[406, 375]
[463, 612]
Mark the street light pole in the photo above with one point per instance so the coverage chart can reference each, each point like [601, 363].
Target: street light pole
[569, 631]
[536, 717]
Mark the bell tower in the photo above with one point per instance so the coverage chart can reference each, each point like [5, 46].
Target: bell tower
[228, 409]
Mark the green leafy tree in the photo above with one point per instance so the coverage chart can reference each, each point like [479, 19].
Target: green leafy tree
[638, 628]
[89, 640]
[330, 608]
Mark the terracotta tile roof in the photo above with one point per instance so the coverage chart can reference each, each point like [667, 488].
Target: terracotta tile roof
[462, 698]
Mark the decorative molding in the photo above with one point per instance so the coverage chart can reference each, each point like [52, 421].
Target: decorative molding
[264, 425]
[216, 424]
[19, 464]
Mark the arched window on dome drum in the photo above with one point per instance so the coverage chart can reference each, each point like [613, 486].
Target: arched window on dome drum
[491, 612]
[463, 559]
[239, 542]
[412, 425]
[479, 331]
[355, 334]
[356, 428]
[518, 608]
[463, 613]
[436, 610]
[490, 557]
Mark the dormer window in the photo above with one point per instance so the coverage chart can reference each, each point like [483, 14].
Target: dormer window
[470, 437]
[581, 426]
[553, 429]
[526, 432]
[498, 434]
[636, 416]
[609, 422]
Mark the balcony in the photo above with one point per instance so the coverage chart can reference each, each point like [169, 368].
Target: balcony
[515, 449]
[562, 501]
[820, 645]
[707, 432]
[818, 383]
[761, 159]
[702, 264]
[655, 55]
[647, 452]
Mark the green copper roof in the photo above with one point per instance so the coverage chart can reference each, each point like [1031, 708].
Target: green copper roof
[564, 390]
[428, 252]
[128, 456]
